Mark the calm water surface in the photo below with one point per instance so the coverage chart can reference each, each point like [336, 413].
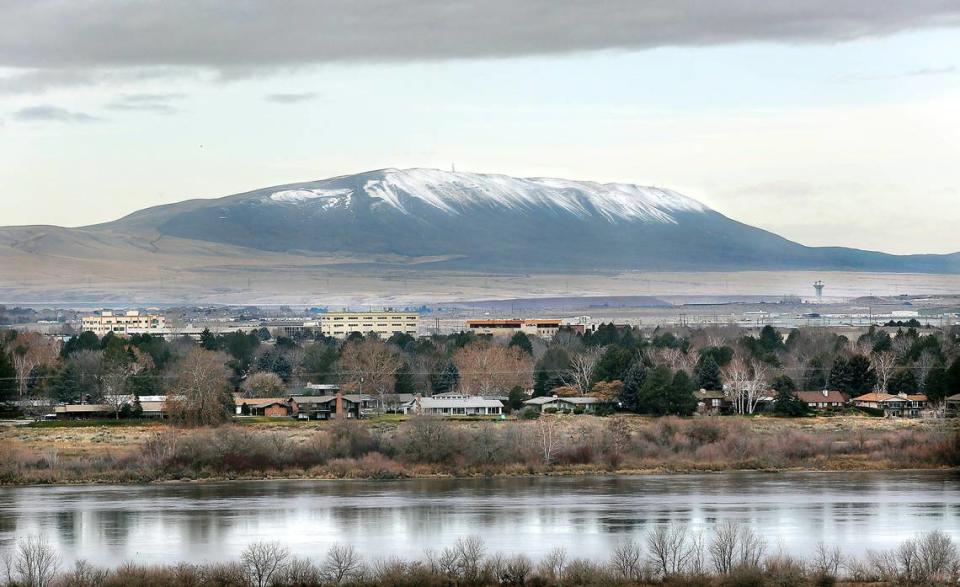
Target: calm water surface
[203, 522]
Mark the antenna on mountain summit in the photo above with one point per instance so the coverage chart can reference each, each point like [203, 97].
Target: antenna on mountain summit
[453, 168]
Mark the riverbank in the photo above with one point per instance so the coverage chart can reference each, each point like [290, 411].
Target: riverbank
[732, 554]
[416, 448]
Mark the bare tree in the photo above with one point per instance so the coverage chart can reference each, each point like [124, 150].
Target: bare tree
[747, 383]
[883, 364]
[627, 560]
[735, 545]
[116, 389]
[36, 561]
[89, 364]
[580, 373]
[924, 364]
[29, 350]
[553, 564]
[487, 369]
[201, 394]
[469, 552]
[668, 549]
[369, 366]
[262, 560]
[547, 436]
[342, 564]
[263, 384]
[676, 359]
[827, 561]
[515, 570]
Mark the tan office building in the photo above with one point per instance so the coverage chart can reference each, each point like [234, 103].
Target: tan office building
[545, 329]
[384, 324]
[131, 322]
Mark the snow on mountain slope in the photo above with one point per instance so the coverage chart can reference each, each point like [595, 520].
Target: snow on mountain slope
[305, 195]
[455, 193]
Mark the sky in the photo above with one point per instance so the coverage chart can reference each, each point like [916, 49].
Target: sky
[830, 123]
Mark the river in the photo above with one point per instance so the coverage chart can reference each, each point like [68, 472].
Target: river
[196, 522]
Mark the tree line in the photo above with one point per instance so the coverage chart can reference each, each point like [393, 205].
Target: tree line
[651, 372]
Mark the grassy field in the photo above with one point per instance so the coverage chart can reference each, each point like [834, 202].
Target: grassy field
[840, 442]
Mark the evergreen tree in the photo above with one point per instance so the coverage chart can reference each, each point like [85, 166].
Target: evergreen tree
[783, 383]
[953, 378]
[549, 370]
[770, 339]
[403, 379]
[815, 375]
[86, 340]
[721, 355]
[861, 375]
[903, 381]
[276, 362]
[613, 364]
[840, 378]
[65, 386]
[708, 373]
[681, 401]
[516, 397]
[446, 379]
[654, 396]
[632, 383]
[522, 342]
[937, 385]
[318, 361]
[208, 341]
[786, 403]
[8, 376]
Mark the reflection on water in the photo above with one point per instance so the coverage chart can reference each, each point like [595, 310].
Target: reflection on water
[194, 522]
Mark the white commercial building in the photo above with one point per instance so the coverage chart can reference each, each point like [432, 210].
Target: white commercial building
[130, 322]
[384, 324]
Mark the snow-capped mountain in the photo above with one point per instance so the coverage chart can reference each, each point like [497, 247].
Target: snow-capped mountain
[457, 193]
[481, 222]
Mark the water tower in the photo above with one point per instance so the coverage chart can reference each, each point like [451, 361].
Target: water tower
[818, 285]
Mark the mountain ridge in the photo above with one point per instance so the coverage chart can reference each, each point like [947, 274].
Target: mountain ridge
[459, 221]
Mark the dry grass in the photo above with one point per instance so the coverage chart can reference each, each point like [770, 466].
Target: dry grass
[430, 447]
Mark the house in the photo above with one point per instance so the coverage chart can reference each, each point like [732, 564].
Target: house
[454, 406]
[953, 406]
[271, 409]
[393, 403]
[83, 411]
[324, 407]
[255, 406]
[152, 406]
[584, 404]
[900, 405]
[712, 402]
[822, 400]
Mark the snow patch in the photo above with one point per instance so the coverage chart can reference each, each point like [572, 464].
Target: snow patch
[330, 197]
[453, 193]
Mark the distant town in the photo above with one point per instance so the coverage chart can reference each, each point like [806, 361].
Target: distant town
[900, 360]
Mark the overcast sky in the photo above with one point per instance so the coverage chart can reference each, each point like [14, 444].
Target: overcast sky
[829, 122]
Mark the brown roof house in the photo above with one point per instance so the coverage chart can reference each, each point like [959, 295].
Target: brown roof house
[822, 400]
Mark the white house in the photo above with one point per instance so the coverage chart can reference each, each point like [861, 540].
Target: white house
[454, 406]
[588, 404]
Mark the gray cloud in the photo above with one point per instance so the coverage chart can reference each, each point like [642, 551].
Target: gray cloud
[35, 81]
[47, 113]
[291, 98]
[156, 103]
[64, 34]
